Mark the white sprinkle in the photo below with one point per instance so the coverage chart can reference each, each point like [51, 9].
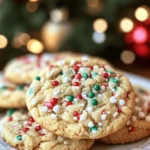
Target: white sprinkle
[82, 79]
[134, 118]
[99, 95]
[147, 118]
[34, 101]
[65, 142]
[141, 114]
[115, 114]
[42, 80]
[108, 112]
[72, 62]
[103, 88]
[75, 118]
[89, 109]
[121, 102]
[56, 92]
[103, 117]
[94, 131]
[56, 109]
[75, 100]
[83, 117]
[137, 108]
[82, 104]
[61, 62]
[84, 95]
[90, 124]
[100, 124]
[66, 80]
[44, 109]
[53, 116]
[95, 67]
[86, 57]
[113, 99]
[128, 122]
[62, 91]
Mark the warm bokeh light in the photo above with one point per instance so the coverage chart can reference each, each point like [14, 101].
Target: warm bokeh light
[20, 39]
[92, 3]
[142, 50]
[32, 7]
[140, 35]
[100, 25]
[141, 13]
[127, 57]
[33, 0]
[35, 46]
[98, 37]
[3, 41]
[126, 24]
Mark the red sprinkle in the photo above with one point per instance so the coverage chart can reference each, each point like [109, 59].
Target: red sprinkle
[10, 118]
[54, 101]
[76, 84]
[105, 84]
[76, 113]
[105, 75]
[69, 103]
[51, 66]
[31, 119]
[76, 68]
[104, 111]
[148, 109]
[91, 67]
[132, 129]
[119, 109]
[55, 83]
[37, 128]
[78, 76]
[49, 105]
[112, 94]
[25, 130]
[79, 96]
[42, 134]
[102, 66]
[78, 64]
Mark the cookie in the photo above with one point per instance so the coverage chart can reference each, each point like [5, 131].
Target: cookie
[23, 69]
[81, 99]
[23, 133]
[11, 95]
[138, 127]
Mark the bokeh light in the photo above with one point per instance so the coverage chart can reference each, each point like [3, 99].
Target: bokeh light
[33, 0]
[32, 7]
[100, 25]
[35, 46]
[126, 24]
[141, 13]
[98, 37]
[3, 41]
[92, 3]
[142, 50]
[140, 35]
[128, 57]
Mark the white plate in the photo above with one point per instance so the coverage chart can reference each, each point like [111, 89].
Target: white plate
[141, 145]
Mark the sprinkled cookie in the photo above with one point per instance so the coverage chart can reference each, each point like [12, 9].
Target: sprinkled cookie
[138, 127]
[23, 133]
[11, 95]
[81, 99]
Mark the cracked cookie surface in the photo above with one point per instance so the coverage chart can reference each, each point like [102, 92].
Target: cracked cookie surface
[12, 95]
[138, 127]
[23, 133]
[82, 99]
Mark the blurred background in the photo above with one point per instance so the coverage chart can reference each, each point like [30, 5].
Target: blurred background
[117, 30]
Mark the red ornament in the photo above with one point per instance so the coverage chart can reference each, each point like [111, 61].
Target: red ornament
[105, 75]
[54, 101]
[25, 130]
[79, 96]
[55, 83]
[38, 128]
[76, 84]
[31, 119]
[69, 103]
[78, 76]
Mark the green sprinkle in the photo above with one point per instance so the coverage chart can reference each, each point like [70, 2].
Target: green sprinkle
[94, 74]
[10, 112]
[61, 73]
[19, 137]
[70, 97]
[4, 87]
[141, 90]
[20, 87]
[91, 94]
[94, 128]
[114, 80]
[110, 71]
[38, 78]
[94, 102]
[85, 75]
[115, 88]
[96, 87]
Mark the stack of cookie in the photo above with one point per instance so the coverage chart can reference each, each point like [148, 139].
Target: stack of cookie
[72, 102]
